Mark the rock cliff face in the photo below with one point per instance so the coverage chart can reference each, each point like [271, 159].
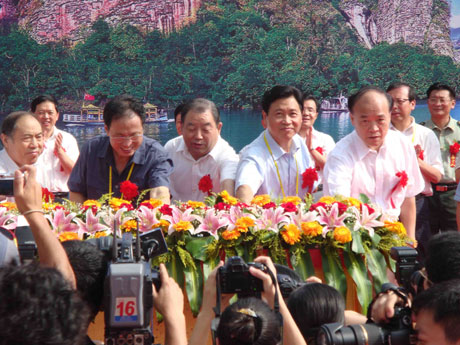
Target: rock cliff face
[53, 20]
[418, 22]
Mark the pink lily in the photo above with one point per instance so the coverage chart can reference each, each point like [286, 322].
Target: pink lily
[92, 224]
[179, 216]
[212, 222]
[331, 219]
[367, 221]
[147, 218]
[234, 214]
[304, 217]
[7, 220]
[63, 223]
[272, 219]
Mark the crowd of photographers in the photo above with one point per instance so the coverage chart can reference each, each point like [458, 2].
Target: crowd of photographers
[55, 301]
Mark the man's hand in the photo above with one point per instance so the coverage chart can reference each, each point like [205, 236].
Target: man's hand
[27, 191]
[58, 148]
[383, 308]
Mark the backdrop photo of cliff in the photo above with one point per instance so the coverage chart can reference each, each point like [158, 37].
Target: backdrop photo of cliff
[230, 51]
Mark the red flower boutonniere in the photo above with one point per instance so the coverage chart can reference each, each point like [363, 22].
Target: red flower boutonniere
[205, 184]
[403, 179]
[47, 196]
[320, 150]
[309, 177]
[128, 190]
[453, 149]
[419, 151]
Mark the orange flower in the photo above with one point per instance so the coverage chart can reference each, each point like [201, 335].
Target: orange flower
[228, 198]
[342, 234]
[231, 234]
[311, 228]
[101, 234]
[49, 206]
[291, 234]
[242, 224]
[396, 227]
[352, 202]
[129, 225]
[152, 202]
[294, 199]
[116, 203]
[183, 226]
[261, 200]
[196, 204]
[327, 200]
[91, 202]
[68, 236]
[163, 224]
[8, 205]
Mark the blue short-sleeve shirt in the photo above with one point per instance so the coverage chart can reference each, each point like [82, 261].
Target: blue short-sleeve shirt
[90, 175]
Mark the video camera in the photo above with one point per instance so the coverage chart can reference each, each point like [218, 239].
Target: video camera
[128, 294]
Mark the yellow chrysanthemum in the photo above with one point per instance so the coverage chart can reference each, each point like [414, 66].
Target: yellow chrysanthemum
[115, 203]
[154, 202]
[291, 234]
[8, 205]
[294, 199]
[196, 204]
[311, 228]
[352, 202]
[163, 224]
[129, 225]
[327, 199]
[228, 198]
[46, 206]
[91, 202]
[101, 234]
[396, 227]
[231, 234]
[261, 200]
[183, 226]
[68, 236]
[342, 234]
[242, 224]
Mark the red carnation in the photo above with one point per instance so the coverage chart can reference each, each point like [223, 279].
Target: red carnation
[342, 207]
[289, 207]
[47, 196]
[309, 176]
[315, 206]
[128, 207]
[370, 210]
[166, 210]
[205, 184]
[269, 205]
[129, 190]
[221, 206]
[454, 148]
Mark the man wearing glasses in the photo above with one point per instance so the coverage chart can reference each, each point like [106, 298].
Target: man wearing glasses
[123, 155]
[426, 144]
[441, 100]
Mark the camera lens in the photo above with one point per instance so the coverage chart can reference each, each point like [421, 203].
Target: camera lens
[336, 334]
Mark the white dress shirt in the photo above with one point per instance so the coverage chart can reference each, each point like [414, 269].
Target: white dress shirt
[257, 168]
[352, 168]
[425, 137]
[323, 140]
[220, 163]
[54, 177]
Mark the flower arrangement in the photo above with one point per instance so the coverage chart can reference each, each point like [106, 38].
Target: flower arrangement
[352, 236]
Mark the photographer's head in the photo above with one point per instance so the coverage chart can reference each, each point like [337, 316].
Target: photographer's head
[38, 307]
[443, 257]
[249, 321]
[313, 305]
[437, 314]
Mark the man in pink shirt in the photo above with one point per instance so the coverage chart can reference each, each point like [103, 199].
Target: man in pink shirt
[375, 161]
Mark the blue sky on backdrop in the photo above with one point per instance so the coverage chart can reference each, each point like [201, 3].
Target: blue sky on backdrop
[455, 13]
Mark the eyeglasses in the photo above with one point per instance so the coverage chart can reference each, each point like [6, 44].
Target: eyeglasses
[440, 100]
[401, 101]
[120, 139]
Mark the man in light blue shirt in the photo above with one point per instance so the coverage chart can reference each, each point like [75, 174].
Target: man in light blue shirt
[274, 163]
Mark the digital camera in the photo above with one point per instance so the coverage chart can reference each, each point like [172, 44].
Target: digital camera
[6, 185]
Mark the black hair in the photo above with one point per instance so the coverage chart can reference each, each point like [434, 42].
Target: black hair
[200, 105]
[397, 85]
[237, 326]
[39, 308]
[279, 92]
[282, 269]
[443, 257]
[354, 98]
[43, 98]
[308, 97]
[122, 106]
[313, 305]
[10, 121]
[90, 267]
[178, 111]
[439, 87]
[443, 301]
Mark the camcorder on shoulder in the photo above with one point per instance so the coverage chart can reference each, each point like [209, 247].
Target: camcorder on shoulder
[128, 293]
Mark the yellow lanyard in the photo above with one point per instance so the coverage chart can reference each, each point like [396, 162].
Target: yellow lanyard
[110, 178]
[413, 133]
[278, 170]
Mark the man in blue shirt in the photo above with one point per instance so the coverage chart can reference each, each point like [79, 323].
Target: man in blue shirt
[123, 155]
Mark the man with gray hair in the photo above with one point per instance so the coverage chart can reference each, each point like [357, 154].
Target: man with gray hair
[203, 161]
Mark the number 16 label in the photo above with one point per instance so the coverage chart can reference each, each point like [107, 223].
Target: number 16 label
[126, 309]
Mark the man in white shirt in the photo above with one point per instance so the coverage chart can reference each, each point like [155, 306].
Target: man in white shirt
[200, 151]
[22, 139]
[375, 161]
[60, 148]
[319, 144]
[428, 152]
[274, 163]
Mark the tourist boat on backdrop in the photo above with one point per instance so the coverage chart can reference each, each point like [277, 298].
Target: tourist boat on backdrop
[93, 115]
[335, 105]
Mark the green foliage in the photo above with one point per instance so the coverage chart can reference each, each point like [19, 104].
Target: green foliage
[232, 54]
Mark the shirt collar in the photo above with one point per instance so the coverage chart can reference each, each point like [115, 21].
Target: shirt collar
[451, 124]
[361, 148]
[409, 128]
[105, 151]
[277, 151]
[213, 153]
